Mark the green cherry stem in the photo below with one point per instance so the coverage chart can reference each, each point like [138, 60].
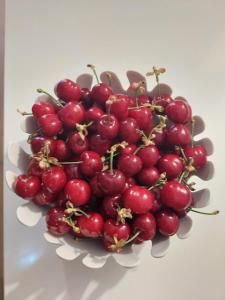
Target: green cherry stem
[57, 101]
[213, 213]
[24, 113]
[192, 131]
[94, 71]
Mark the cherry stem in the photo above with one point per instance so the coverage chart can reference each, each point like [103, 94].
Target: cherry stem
[133, 237]
[216, 212]
[109, 77]
[111, 161]
[94, 71]
[192, 131]
[139, 148]
[182, 176]
[183, 154]
[72, 210]
[57, 101]
[70, 162]
[23, 113]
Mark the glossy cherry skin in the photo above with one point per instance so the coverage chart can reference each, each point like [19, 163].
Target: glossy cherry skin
[100, 93]
[99, 144]
[72, 171]
[78, 192]
[91, 163]
[110, 205]
[162, 100]
[167, 222]
[91, 226]
[42, 108]
[130, 181]
[39, 141]
[43, 197]
[129, 164]
[50, 124]
[108, 127]
[85, 97]
[157, 205]
[77, 144]
[146, 225]
[142, 115]
[148, 176]
[93, 114]
[34, 169]
[71, 114]
[95, 188]
[113, 229]
[199, 155]
[149, 155]
[111, 182]
[171, 164]
[129, 131]
[61, 200]
[148, 128]
[179, 135]
[179, 111]
[61, 152]
[138, 199]
[55, 223]
[54, 179]
[143, 99]
[160, 137]
[119, 107]
[129, 149]
[27, 186]
[176, 195]
[67, 90]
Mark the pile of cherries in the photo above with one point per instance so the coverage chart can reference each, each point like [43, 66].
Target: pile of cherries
[109, 166]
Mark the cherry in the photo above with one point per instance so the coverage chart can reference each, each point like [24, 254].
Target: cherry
[129, 100]
[42, 108]
[77, 144]
[56, 223]
[99, 144]
[129, 182]
[118, 106]
[50, 124]
[149, 127]
[148, 176]
[160, 137]
[43, 197]
[108, 126]
[167, 222]
[149, 155]
[162, 100]
[61, 200]
[179, 111]
[146, 225]
[26, 186]
[171, 164]
[129, 164]
[91, 163]
[138, 199]
[39, 142]
[199, 155]
[129, 131]
[111, 182]
[143, 99]
[71, 114]
[129, 149]
[179, 135]
[93, 114]
[100, 93]
[110, 205]
[142, 115]
[72, 171]
[95, 188]
[78, 191]
[34, 169]
[54, 179]
[61, 152]
[157, 205]
[67, 90]
[86, 97]
[176, 195]
[91, 225]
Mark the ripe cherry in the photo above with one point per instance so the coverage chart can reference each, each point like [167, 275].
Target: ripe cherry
[39, 142]
[61, 200]
[71, 114]
[93, 114]
[149, 155]
[108, 126]
[146, 225]
[179, 111]
[100, 93]
[130, 181]
[157, 205]
[95, 188]
[167, 222]
[111, 182]
[110, 205]
[67, 90]
[199, 155]
[148, 176]
[26, 186]
[91, 163]
[179, 135]
[129, 131]
[129, 149]
[56, 223]
[85, 97]
[61, 152]
[171, 164]
[43, 197]
[118, 106]
[72, 171]
[34, 169]
[50, 124]
[78, 191]
[77, 144]
[42, 108]
[91, 225]
[143, 99]
[54, 179]
[142, 115]
[99, 144]
[162, 100]
[130, 164]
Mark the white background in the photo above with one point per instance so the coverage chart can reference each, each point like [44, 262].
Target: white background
[50, 40]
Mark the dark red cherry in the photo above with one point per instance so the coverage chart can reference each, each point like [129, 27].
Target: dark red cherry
[179, 111]
[142, 115]
[77, 144]
[157, 205]
[71, 114]
[95, 188]
[146, 225]
[91, 225]
[179, 135]
[38, 142]
[100, 93]
[55, 221]
[43, 197]
[112, 230]
[111, 182]
[148, 176]
[99, 144]
[42, 108]
[26, 186]
[138, 199]
[162, 100]
[61, 200]
[50, 124]
[61, 152]
[176, 195]
[54, 179]
[160, 137]
[149, 155]
[143, 99]
[78, 191]
[130, 181]
[171, 164]
[119, 107]
[72, 171]
[129, 164]
[67, 90]
[167, 222]
[110, 205]
[129, 149]
[34, 169]
[108, 126]
[199, 155]
[85, 97]
[129, 131]
[91, 163]
[93, 114]
[149, 127]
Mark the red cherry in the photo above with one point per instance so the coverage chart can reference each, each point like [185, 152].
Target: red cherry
[130, 164]
[176, 195]
[95, 188]
[148, 176]
[99, 144]
[100, 93]
[78, 192]
[55, 223]
[160, 137]
[157, 205]
[26, 186]
[93, 114]
[111, 182]
[146, 225]
[72, 171]
[142, 115]
[129, 131]
[86, 97]
[71, 113]
[199, 155]
[62, 152]
[54, 179]
[149, 155]
[34, 169]
[38, 142]
[112, 230]
[143, 99]
[167, 222]
[129, 100]
[179, 111]
[138, 199]
[148, 128]
[179, 135]
[162, 100]
[129, 182]
[171, 164]
[77, 144]
[91, 163]
[110, 205]
[43, 197]
[119, 107]
[91, 225]
[67, 90]
[50, 124]
[130, 149]
[108, 126]
[61, 200]
[42, 108]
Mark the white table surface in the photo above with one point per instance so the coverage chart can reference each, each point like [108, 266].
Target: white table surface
[50, 40]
